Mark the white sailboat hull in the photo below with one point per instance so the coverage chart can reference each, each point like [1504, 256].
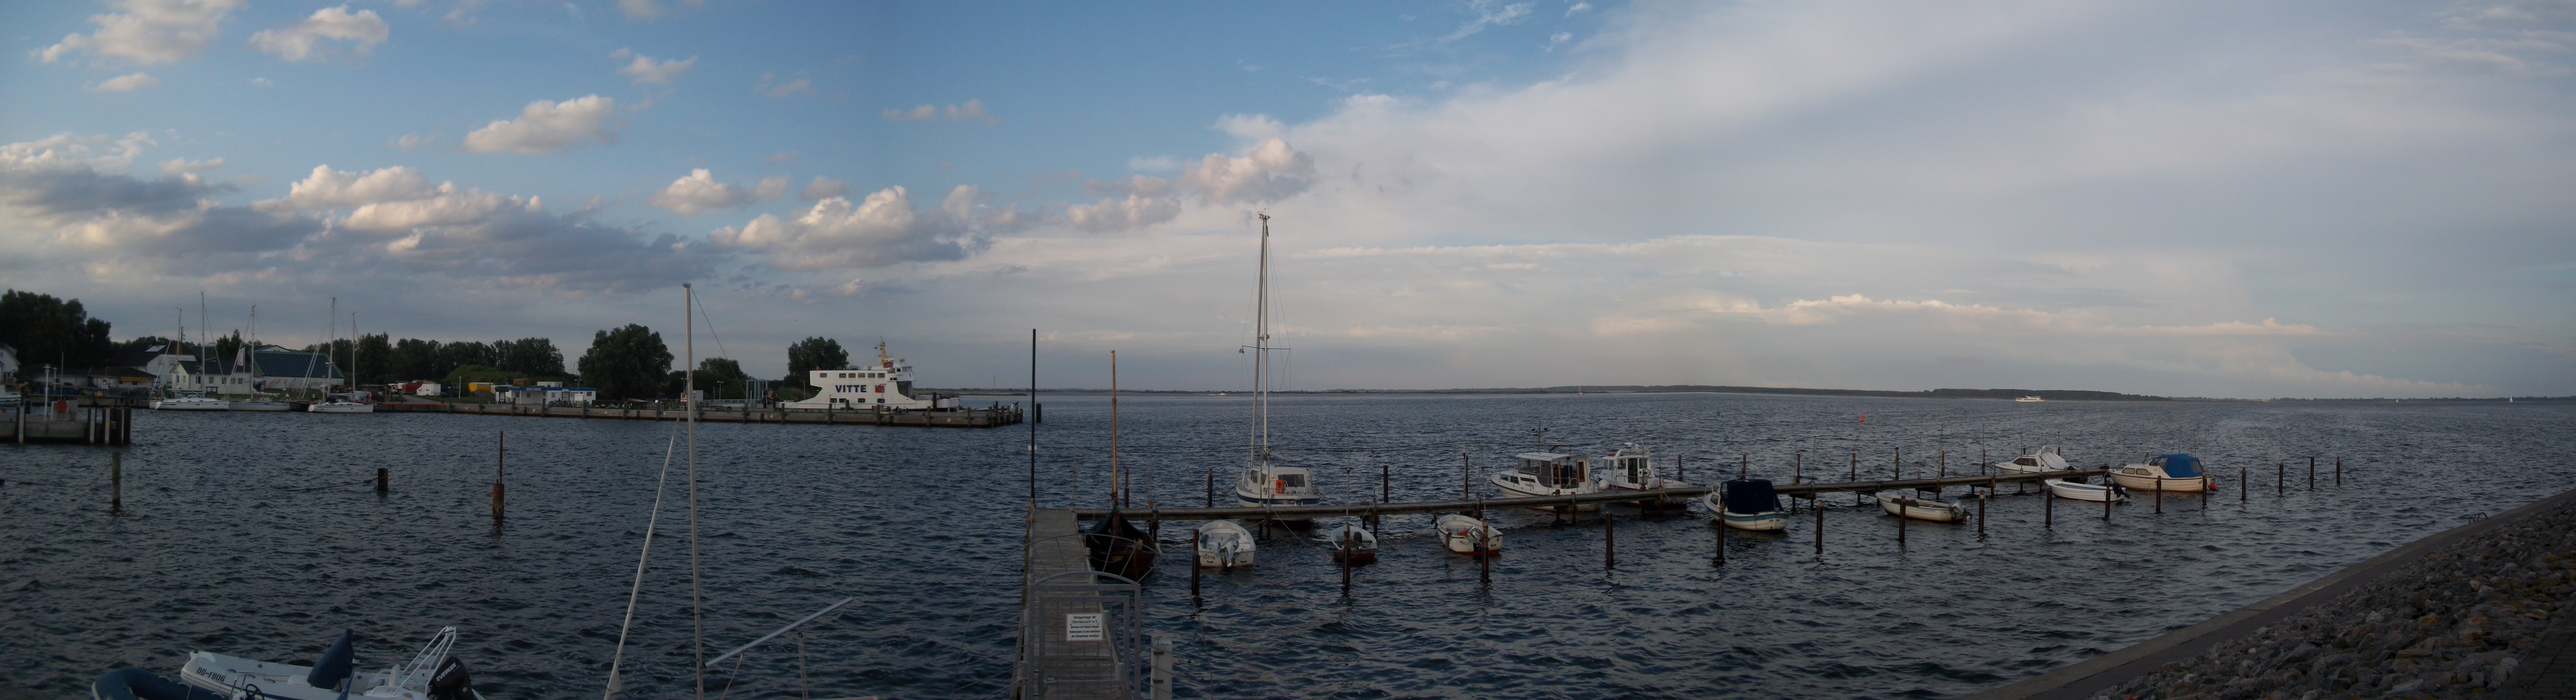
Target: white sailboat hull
[341, 407]
[190, 404]
[1919, 508]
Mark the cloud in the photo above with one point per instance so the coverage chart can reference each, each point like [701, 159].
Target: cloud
[884, 229]
[183, 166]
[823, 188]
[647, 71]
[1269, 172]
[148, 32]
[782, 91]
[1119, 215]
[306, 40]
[971, 111]
[698, 193]
[263, 82]
[548, 127]
[329, 189]
[1577, 8]
[781, 157]
[649, 10]
[126, 83]
[412, 142]
[1135, 185]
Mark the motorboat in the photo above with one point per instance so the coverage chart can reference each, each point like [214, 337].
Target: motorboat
[1747, 504]
[341, 403]
[1469, 536]
[191, 403]
[1352, 544]
[1549, 474]
[2080, 491]
[1632, 468]
[432, 674]
[1224, 545]
[2167, 473]
[1919, 507]
[2029, 399]
[1118, 547]
[2045, 459]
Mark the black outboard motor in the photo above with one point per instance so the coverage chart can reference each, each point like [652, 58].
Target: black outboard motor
[450, 682]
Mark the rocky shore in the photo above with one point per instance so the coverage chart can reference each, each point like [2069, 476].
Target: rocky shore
[2455, 623]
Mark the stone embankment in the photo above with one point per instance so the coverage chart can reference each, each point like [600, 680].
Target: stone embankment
[2458, 622]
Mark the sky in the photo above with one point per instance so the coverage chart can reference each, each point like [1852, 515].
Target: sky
[2246, 200]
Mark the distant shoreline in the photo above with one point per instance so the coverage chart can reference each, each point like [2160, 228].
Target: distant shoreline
[1988, 394]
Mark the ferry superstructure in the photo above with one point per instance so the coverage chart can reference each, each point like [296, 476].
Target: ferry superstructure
[884, 386]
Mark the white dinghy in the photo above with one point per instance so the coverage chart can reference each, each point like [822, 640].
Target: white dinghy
[1748, 504]
[430, 675]
[2168, 473]
[1224, 545]
[1469, 536]
[1353, 544]
[2096, 493]
[1917, 506]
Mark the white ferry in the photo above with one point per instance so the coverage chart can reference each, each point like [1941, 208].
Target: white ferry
[2030, 399]
[885, 386]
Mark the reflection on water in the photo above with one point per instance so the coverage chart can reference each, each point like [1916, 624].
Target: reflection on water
[219, 549]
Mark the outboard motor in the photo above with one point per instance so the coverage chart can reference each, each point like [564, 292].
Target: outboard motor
[450, 682]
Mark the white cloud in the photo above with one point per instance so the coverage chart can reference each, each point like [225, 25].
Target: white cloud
[782, 91]
[781, 157]
[412, 142]
[971, 111]
[881, 230]
[1270, 171]
[148, 32]
[649, 10]
[647, 71]
[1577, 8]
[329, 189]
[547, 127]
[126, 83]
[183, 166]
[823, 188]
[698, 193]
[306, 40]
[1119, 215]
[263, 82]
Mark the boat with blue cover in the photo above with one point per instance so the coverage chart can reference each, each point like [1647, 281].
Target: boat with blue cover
[430, 675]
[1747, 504]
[2167, 473]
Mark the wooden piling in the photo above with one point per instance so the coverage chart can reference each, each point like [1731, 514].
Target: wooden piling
[1345, 553]
[1820, 532]
[2312, 473]
[2048, 512]
[1744, 466]
[380, 480]
[1610, 541]
[2109, 483]
[1197, 540]
[1855, 476]
[1901, 510]
[1797, 468]
[116, 482]
[1386, 482]
[500, 473]
[1683, 475]
[2281, 478]
[2160, 495]
[2240, 483]
[2338, 472]
[1466, 477]
[1945, 465]
[1211, 487]
[1981, 507]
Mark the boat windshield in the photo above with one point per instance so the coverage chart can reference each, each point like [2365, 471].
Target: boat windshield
[2180, 466]
[1294, 481]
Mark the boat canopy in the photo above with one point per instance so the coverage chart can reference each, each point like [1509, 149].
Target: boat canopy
[1751, 496]
[1542, 456]
[2180, 466]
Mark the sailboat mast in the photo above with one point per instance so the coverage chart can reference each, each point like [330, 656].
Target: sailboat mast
[1115, 477]
[205, 328]
[1261, 355]
[689, 401]
[331, 334]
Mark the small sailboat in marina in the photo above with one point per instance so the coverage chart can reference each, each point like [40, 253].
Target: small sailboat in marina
[191, 403]
[2077, 490]
[1747, 504]
[2168, 473]
[1118, 546]
[433, 674]
[1224, 545]
[1919, 507]
[1264, 482]
[1468, 536]
[1352, 544]
[1548, 474]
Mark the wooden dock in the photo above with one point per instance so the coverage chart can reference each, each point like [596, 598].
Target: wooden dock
[957, 418]
[1057, 658]
[1361, 510]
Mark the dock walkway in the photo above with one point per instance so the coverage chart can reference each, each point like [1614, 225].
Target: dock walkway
[1685, 493]
[1078, 630]
[957, 418]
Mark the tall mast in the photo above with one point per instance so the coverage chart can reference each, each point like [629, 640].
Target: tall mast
[204, 328]
[689, 402]
[1115, 481]
[332, 338]
[1261, 356]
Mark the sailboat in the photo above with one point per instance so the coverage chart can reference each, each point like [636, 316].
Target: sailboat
[1265, 483]
[348, 402]
[248, 359]
[196, 399]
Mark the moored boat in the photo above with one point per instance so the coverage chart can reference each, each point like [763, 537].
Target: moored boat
[191, 403]
[2045, 459]
[1468, 536]
[339, 403]
[2167, 473]
[1549, 474]
[1747, 504]
[1119, 547]
[1353, 544]
[1916, 506]
[2086, 492]
[1632, 468]
[1224, 545]
[431, 675]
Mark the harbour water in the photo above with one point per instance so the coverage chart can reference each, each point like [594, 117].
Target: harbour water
[259, 534]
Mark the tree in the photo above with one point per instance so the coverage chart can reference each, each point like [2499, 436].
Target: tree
[626, 363]
[226, 346]
[536, 357]
[812, 354]
[375, 364]
[465, 353]
[414, 358]
[46, 331]
[722, 378]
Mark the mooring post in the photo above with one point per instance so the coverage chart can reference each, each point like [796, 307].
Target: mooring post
[380, 480]
[1344, 553]
[2338, 472]
[1196, 542]
[1744, 466]
[2312, 473]
[1855, 476]
[1901, 509]
[1945, 466]
[2281, 478]
[1386, 482]
[2108, 488]
[1981, 505]
[1610, 540]
[2240, 483]
[2160, 495]
[116, 482]
[2048, 511]
[1721, 526]
[1897, 455]
[1683, 475]
[1162, 668]
[500, 473]
[1466, 477]
[1798, 469]
[1820, 532]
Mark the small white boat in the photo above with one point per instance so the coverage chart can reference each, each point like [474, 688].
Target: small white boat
[2029, 399]
[2086, 492]
[1469, 536]
[2046, 459]
[1748, 504]
[430, 675]
[1353, 544]
[1632, 468]
[2168, 473]
[1549, 474]
[191, 403]
[1224, 545]
[341, 403]
[259, 403]
[1919, 507]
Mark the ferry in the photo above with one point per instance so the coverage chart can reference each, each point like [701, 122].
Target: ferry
[886, 386]
[2030, 399]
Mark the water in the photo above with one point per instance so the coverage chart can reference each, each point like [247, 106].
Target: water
[216, 549]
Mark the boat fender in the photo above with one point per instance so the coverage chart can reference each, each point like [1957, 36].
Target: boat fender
[138, 684]
[451, 682]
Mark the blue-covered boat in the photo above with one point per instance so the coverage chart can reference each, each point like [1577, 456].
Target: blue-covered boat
[430, 675]
[2167, 473]
[1747, 504]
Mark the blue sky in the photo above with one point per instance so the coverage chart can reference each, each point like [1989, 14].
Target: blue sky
[2304, 199]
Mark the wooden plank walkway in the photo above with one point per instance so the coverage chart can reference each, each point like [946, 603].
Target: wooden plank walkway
[1051, 662]
[959, 418]
[1354, 510]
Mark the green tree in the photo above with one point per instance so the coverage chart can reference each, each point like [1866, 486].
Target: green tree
[226, 346]
[414, 358]
[627, 363]
[48, 331]
[465, 353]
[722, 378]
[812, 354]
[375, 363]
[537, 357]
[146, 342]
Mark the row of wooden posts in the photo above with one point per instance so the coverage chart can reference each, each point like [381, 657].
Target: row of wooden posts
[100, 425]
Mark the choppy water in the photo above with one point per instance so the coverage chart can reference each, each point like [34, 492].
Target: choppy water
[215, 551]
